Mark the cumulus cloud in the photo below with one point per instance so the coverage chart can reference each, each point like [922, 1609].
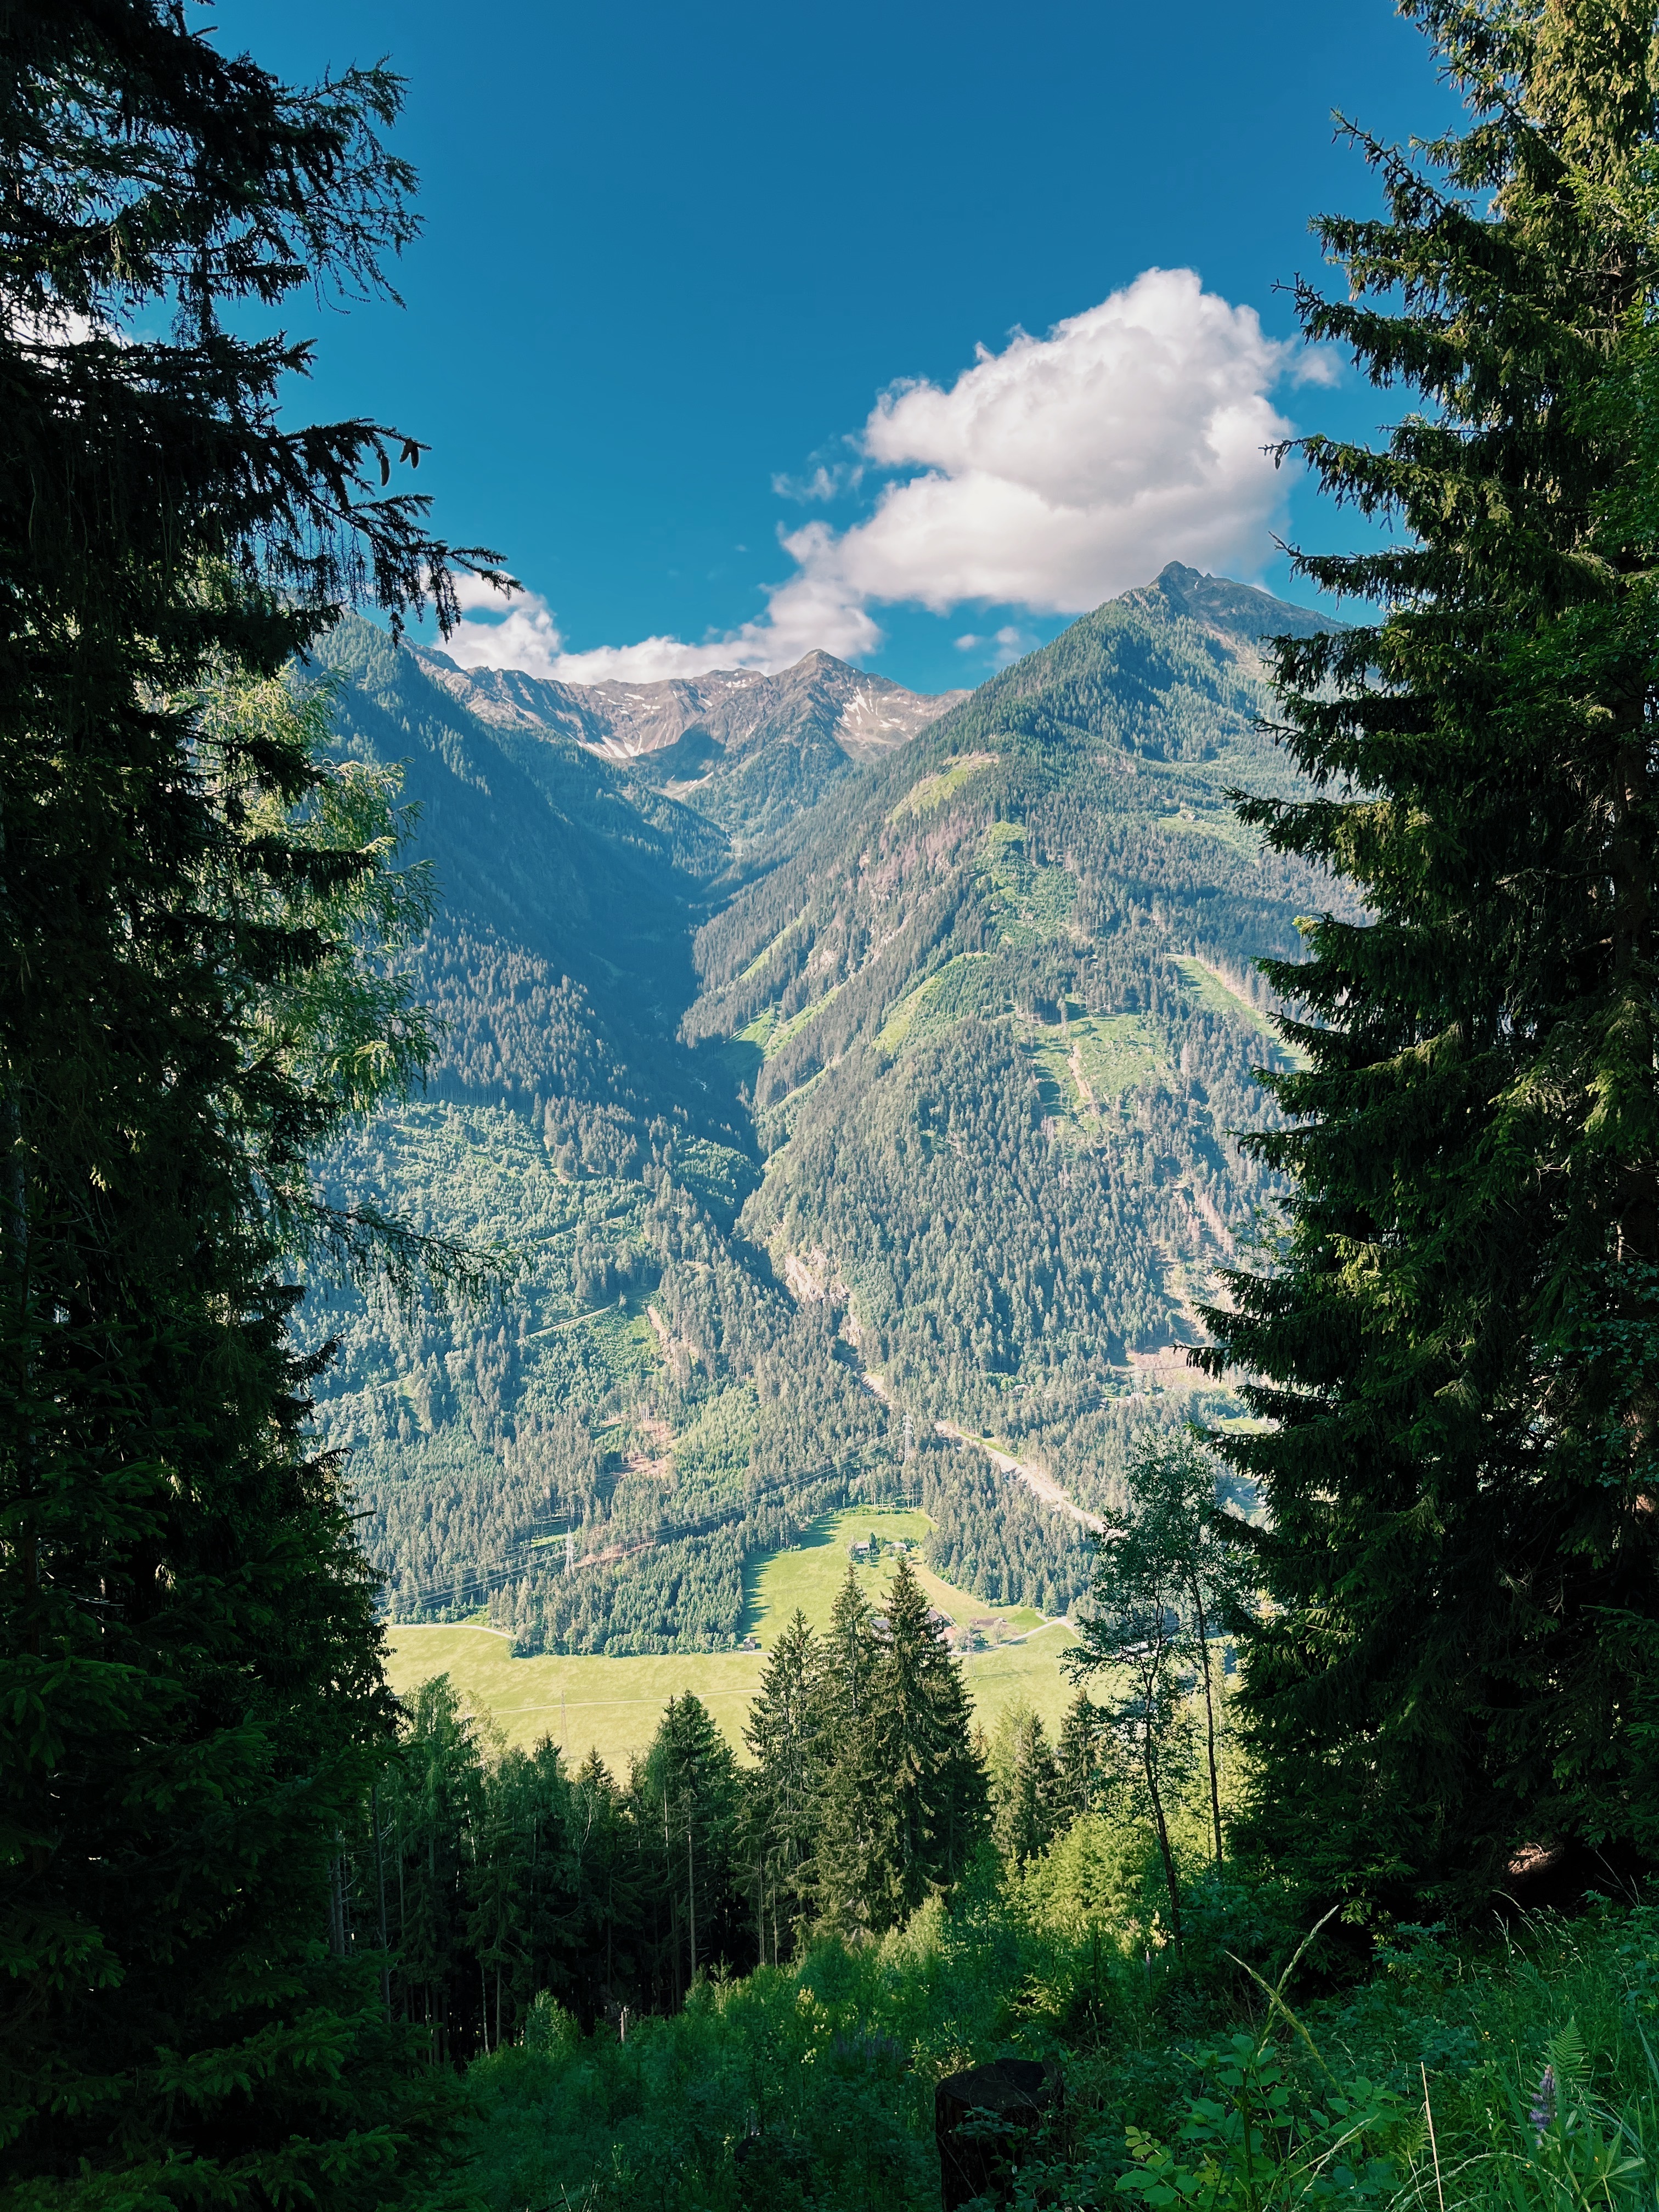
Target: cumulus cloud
[1066, 468]
[811, 612]
[804, 613]
[522, 634]
[1049, 476]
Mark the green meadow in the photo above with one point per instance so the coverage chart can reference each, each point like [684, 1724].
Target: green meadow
[613, 1705]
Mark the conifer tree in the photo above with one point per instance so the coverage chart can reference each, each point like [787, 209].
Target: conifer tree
[848, 1656]
[192, 1708]
[1459, 1346]
[908, 1748]
[1025, 1791]
[785, 1735]
[434, 1799]
[688, 1791]
[520, 1891]
[904, 1801]
[606, 1911]
[956, 1796]
[1081, 1757]
[848, 1853]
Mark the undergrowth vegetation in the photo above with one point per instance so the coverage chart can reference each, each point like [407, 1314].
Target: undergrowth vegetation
[1512, 2068]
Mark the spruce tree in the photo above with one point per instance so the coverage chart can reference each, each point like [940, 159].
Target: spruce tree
[604, 1923]
[847, 1854]
[849, 1656]
[1025, 1787]
[521, 1888]
[957, 1795]
[1457, 1352]
[687, 1794]
[904, 1806]
[908, 1748]
[433, 1797]
[1082, 1756]
[785, 1735]
[192, 1706]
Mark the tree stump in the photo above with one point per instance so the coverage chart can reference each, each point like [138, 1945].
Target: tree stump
[983, 2120]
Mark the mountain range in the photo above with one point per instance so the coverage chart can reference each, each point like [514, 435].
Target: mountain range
[750, 750]
[859, 1110]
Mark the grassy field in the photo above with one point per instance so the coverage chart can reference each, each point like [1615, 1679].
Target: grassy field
[932, 790]
[615, 1705]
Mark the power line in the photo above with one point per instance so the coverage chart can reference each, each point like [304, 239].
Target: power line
[481, 1579]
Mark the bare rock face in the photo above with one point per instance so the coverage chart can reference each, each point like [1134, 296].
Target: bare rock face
[1238, 616]
[700, 738]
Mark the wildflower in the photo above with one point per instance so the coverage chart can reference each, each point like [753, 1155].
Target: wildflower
[1542, 2114]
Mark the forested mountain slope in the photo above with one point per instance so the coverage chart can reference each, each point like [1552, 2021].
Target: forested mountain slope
[947, 1098]
[997, 1022]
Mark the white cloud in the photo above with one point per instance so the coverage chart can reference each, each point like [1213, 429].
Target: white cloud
[1048, 476]
[1003, 647]
[811, 612]
[824, 482]
[802, 614]
[1065, 469]
[524, 634]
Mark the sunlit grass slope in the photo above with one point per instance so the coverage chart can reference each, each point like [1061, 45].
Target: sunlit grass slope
[615, 1705]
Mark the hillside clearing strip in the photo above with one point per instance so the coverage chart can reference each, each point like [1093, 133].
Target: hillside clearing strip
[1041, 1485]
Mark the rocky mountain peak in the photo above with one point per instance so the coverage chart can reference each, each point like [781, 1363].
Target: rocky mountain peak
[749, 747]
[1239, 616]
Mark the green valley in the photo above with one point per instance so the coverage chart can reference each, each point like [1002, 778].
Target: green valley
[614, 1706]
[770, 1443]
[933, 1072]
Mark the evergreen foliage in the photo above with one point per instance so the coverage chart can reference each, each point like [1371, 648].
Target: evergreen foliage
[1027, 1792]
[689, 1780]
[789, 1722]
[505, 1876]
[193, 902]
[904, 1795]
[1082, 1759]
[1457, 1346]
[813, 2085]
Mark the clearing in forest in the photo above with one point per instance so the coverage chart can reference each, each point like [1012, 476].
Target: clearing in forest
[614, 1706]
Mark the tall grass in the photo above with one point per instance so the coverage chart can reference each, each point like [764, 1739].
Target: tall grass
[1207, 2084]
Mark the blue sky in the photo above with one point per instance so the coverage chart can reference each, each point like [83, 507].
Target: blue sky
[675, 256]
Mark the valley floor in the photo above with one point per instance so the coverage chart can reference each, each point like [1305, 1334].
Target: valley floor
[615, 1705]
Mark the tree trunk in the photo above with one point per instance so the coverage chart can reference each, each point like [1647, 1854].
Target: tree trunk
[15, 1245]
[690, 1902]
[379, 1884]
[1149, 1766]
[1209, 1717]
